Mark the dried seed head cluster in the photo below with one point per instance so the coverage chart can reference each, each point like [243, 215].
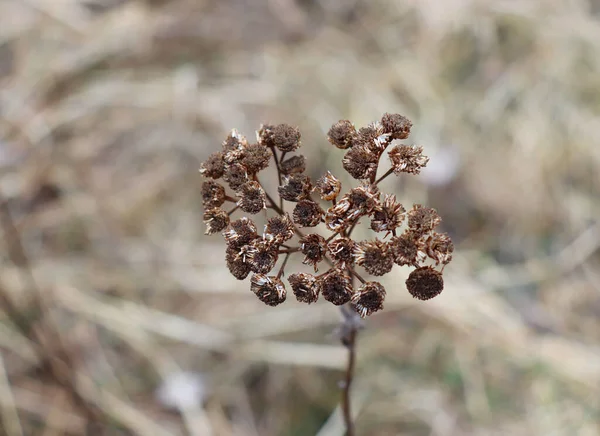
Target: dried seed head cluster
[418, 245]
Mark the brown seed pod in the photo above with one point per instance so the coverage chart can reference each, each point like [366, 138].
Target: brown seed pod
[295, 187]
[423, 219]
[293, 165]
[425, 283]
[373, 138]
[336, 287]
[328, 186]
[363, 198]
[213, 194]
[256, 158]
[235, 175]
[368, 298]
[234, 141]
[269, 289]
[407, 159]
[214, 166]
[307, 213]
[216, 220]
[374, 256]
[314, 248]
[341, 251]
[396, 125]
[282, 136]
[305, 287]
[405, 248]
[241, 232]
[236, 264]
[387, 216]
[252, 198]
[439, 247]
[360, 162]
[262, 256]
[279, 229]
[342, 134]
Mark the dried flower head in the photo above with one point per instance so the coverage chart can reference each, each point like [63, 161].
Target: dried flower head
[252, 198]
[342, 134]
[368, 298]
[307, 213]
[425, 283]
[407, 159]
[213, 194]
[396, 125]
[336, 286]
[235, 175]
[328, 186]
[234, 141]
[279, 229]
[373, 138]
[269, 289]
[360, 162]
[405, 249]
[241, 232]
[363, 198]
[341, 251]
[314, 248]
[295, 187]
[387, 216]
[262, 256]
[439, 247]
[374, 256]
[293, 165]
[256, 158]
[423, 219]
[214, 166]
[236, 263]
[216, 220]
[305, 287]
[282, 136]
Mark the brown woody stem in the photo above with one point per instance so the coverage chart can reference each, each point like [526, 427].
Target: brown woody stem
[388, 172]
[282, 267]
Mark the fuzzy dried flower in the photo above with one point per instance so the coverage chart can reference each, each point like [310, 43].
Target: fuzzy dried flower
[293, 165]
[234, 141]
[282, 136]
[214, 166]
[216, 220]
[407, 159]
[269, 289]
[405, 249]
[262, 256]
[307, 213]
[425, 283]
[213, 194]
[396, 125]
[236, 176]
[360, 162]
[388, 215]
[236, 263]
[374, 256]
[423, 219]
[256, 158]
[314, 248]
[252, 198]
[341, 251]
[336, 286]
[328, 186]
[305, 287]
[241, 232]
[279, 229]
[363, 198]
[368, 298]
[295, 187]
[342, 134]
[439, 247]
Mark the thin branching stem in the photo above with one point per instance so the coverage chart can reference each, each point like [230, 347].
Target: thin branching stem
[387, 173]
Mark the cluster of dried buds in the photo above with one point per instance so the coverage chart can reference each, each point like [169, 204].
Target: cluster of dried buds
[418, 245]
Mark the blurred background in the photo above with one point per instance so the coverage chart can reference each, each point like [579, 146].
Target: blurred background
[119, 316]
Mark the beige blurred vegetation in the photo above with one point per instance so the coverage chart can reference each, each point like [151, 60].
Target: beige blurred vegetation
[107, 108]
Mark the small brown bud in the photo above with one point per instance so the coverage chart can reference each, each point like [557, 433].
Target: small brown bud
[234, 141]
[253, 198]
[374, 138]
[256, 158]
[216, 220]
[374, 256]
[405, 248]
[305, 287]
[213, 194]
[368, 298]
[295, 187]
[282, 136]
[307, 213]
[387, 216]
[328, 186]
[439, 247]
[423, 219]
[397, 125]
[363, 198]
[279, 229]
[360, 162]
[293, 165]
[214, 166]
[313, 247]
[241, 232]
[342, 134]
[336, 287]
[269, 289]
[236, 264]
[342, 251]
[425, 283]
[407, 159]
[262, 256]
[235, 176]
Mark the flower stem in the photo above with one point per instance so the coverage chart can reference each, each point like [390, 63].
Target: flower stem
[390, 171]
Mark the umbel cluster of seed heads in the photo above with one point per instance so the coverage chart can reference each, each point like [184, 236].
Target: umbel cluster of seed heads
[417, 245]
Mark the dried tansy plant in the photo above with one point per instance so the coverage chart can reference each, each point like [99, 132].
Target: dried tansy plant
[321, 202]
